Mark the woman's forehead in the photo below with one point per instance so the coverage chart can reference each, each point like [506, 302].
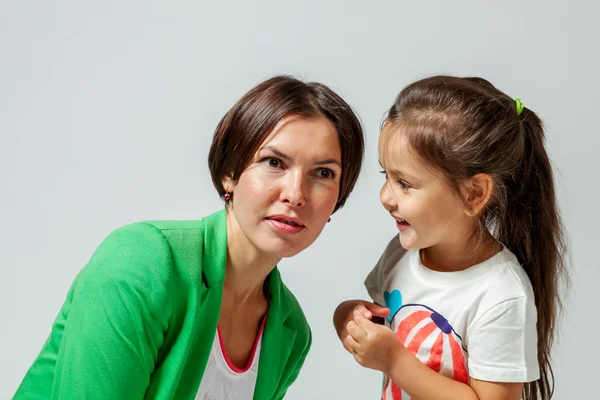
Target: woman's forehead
[299, 134]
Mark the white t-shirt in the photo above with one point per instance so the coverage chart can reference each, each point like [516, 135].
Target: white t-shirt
[479, 322]
[222, 380]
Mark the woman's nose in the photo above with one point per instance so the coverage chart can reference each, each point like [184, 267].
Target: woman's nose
[294, 190]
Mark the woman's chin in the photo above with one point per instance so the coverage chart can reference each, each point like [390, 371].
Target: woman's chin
[279, 249]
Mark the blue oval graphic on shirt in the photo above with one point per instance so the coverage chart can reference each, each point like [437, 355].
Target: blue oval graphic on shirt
[441, 323]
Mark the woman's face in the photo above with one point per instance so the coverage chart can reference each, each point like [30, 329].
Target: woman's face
[284, 198]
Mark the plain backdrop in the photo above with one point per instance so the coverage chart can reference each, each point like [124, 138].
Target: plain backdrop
[107, 110]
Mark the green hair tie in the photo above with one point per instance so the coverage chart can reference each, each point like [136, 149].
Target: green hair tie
[519, 106]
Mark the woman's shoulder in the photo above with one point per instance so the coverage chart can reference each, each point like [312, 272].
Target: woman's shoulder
[132, 245]
[143, 252]
[149, 240]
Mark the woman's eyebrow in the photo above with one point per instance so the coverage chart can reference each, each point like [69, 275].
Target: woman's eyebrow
[285, 157]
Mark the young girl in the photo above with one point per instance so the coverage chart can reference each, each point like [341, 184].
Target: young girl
[470, 285]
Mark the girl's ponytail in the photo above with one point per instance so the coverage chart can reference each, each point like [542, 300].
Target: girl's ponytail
[531, 228]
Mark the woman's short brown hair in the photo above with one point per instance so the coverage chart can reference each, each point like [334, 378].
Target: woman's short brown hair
[248, 123]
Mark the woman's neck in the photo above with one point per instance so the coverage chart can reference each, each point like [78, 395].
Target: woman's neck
[247, 268]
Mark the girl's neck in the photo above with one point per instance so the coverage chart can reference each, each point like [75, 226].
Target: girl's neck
[453, 257]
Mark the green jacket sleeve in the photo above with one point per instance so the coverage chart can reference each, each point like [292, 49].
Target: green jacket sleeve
[105, 342]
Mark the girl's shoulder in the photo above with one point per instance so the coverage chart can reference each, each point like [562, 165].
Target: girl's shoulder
[505, 276]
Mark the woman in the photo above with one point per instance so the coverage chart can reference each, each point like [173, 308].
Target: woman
[187, 309]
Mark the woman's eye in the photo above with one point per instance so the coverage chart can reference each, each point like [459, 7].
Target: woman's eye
[272, 162]
[325, 173]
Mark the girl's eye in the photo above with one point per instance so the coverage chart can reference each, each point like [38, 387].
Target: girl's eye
[325, 173]
[404, 185]
[272, 162]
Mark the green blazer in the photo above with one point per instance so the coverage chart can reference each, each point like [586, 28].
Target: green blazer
[140, 319]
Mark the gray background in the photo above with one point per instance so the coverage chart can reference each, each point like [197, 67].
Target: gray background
[107, 110]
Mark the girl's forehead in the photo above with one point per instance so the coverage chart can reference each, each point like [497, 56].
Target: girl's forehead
[394, 149]
[396, 154]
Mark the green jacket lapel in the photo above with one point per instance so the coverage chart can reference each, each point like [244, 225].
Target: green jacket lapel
[277, 341]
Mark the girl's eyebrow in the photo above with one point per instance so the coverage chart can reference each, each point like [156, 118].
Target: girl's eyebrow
[404, 175]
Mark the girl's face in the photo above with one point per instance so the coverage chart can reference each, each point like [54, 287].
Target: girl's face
[427, 212]
[283, 199]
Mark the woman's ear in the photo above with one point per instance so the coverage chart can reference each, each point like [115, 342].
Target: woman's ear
[228, 184]
[476, 193]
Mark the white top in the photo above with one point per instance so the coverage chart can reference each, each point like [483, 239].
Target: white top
[222, 380]
[479, 322]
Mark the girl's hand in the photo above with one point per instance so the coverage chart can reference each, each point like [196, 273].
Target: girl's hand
[344, 313]
[373, 346]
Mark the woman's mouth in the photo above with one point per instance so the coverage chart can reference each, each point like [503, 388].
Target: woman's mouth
[285, 224]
